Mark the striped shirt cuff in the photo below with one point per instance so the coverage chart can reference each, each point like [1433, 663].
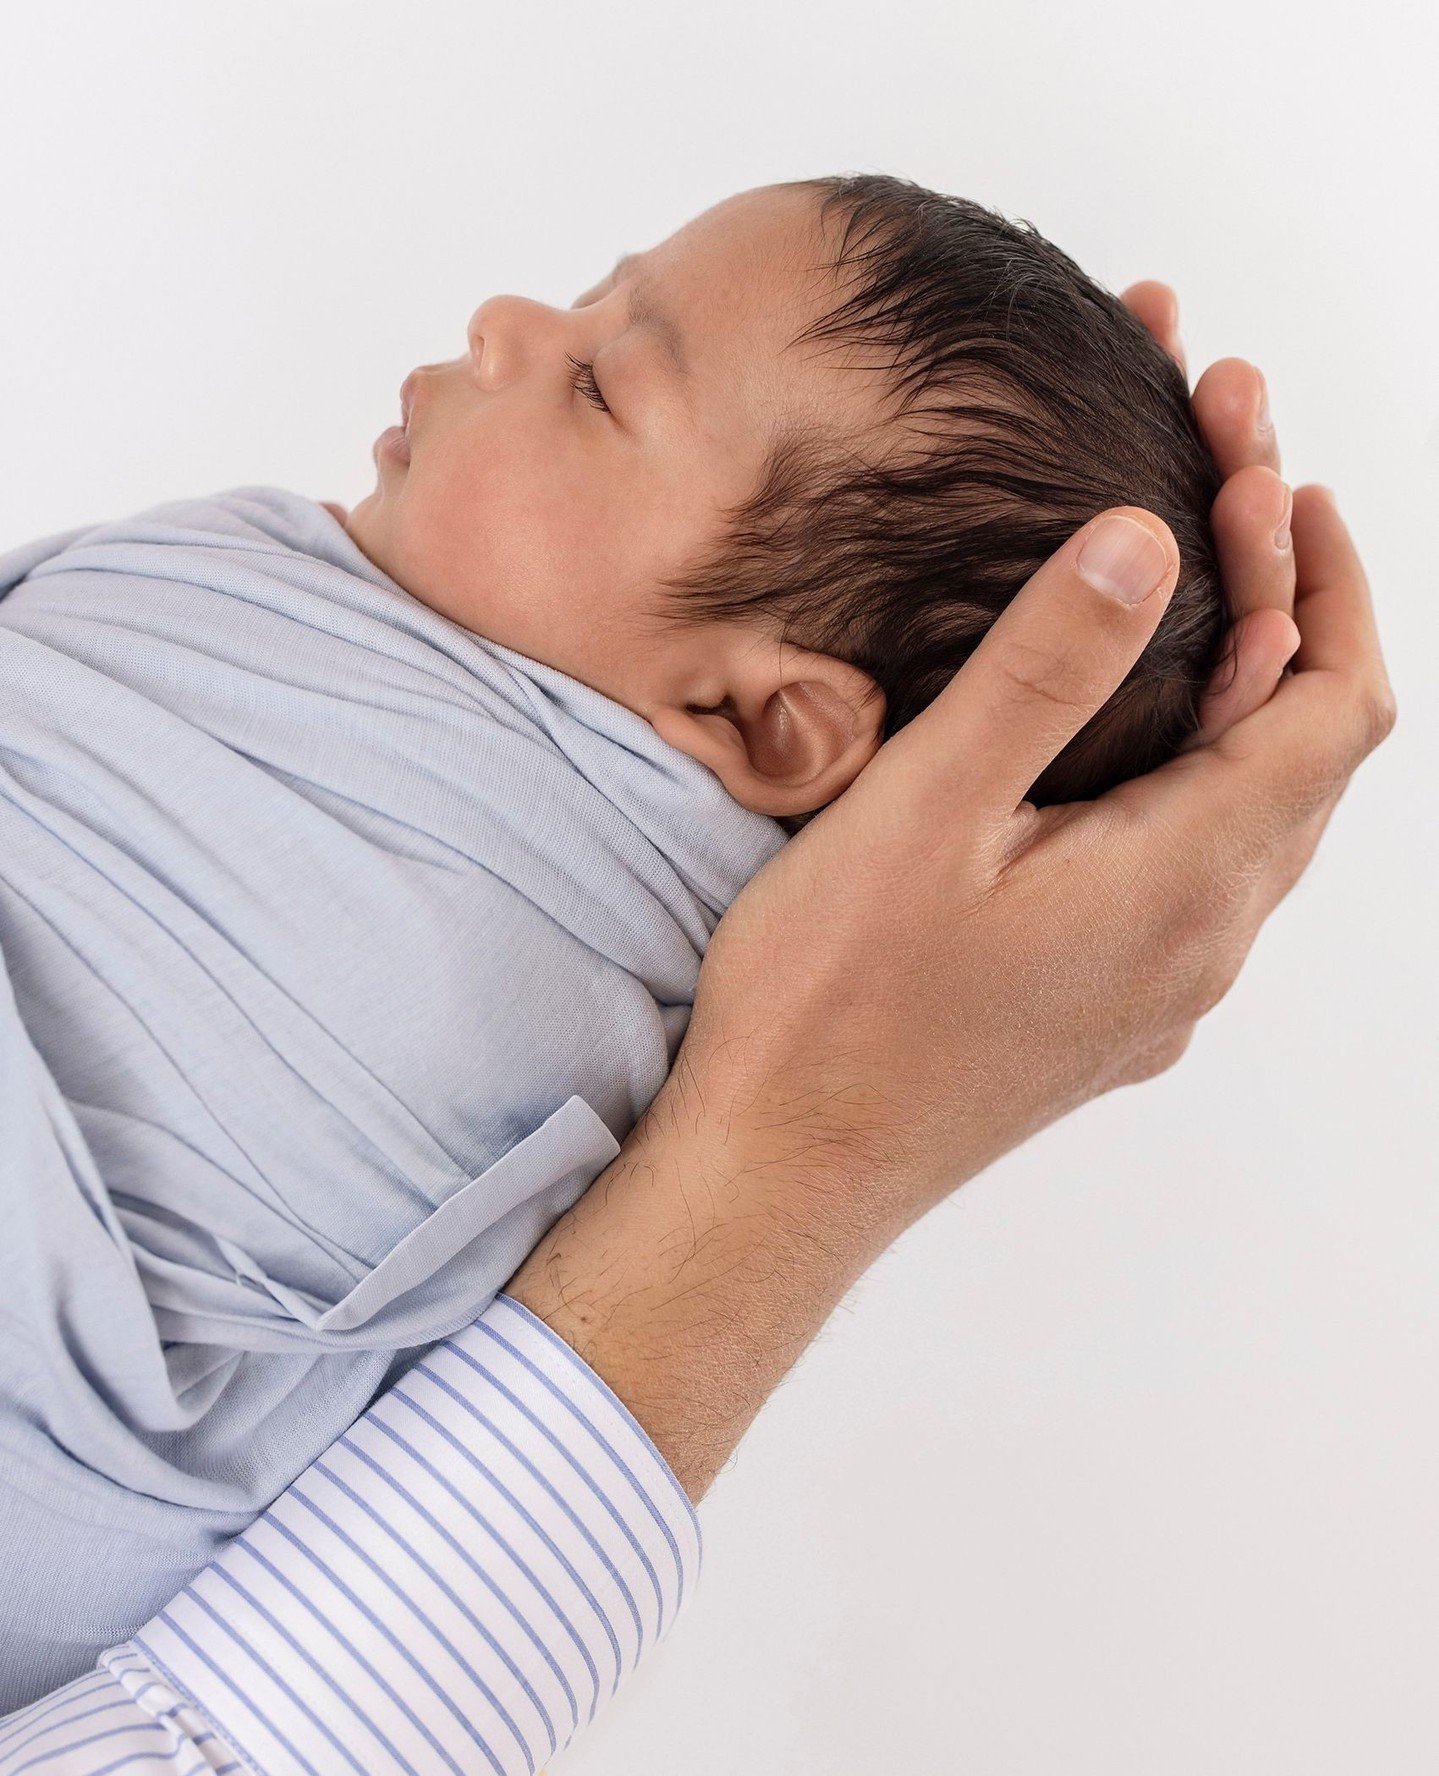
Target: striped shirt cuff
[456, 1585]
[118, 1722]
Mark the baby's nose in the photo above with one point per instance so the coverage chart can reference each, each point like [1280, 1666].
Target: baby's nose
[504, 330]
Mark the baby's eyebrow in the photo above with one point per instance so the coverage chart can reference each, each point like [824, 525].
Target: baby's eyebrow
[646, 312]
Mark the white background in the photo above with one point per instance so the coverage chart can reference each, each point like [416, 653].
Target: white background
[1125, 1460]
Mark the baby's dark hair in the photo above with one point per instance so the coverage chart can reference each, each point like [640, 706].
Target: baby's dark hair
[1031, 400]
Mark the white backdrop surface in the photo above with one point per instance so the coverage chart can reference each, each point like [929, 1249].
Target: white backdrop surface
[1125, 1460]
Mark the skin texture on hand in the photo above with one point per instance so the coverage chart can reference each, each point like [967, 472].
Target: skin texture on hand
[932, 970]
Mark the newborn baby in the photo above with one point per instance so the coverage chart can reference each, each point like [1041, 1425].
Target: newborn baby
[356, 870]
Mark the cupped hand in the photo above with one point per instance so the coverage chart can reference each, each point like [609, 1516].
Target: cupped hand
[933, 968]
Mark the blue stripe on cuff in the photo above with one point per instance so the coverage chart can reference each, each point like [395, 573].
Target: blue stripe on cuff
[446, 1581]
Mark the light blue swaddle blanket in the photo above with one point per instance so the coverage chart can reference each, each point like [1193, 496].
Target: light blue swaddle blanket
[338, 947]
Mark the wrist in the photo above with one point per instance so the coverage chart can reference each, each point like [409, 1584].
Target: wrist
[699, 1265]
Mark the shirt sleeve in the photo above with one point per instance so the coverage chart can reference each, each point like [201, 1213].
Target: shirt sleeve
[456, 1585]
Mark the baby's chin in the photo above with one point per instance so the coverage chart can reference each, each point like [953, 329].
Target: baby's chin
[357, 526]
[369, 536]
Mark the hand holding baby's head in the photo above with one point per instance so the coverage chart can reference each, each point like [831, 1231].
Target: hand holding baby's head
[770, 481]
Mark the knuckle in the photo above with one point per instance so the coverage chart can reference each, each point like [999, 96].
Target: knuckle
[1294, 860]
[1202, 948]
[1199, 917]
[1212, 985]
[1046, 675]
[1380, 714]
[1187, 938]
[1363, 718]
[1159, 1056]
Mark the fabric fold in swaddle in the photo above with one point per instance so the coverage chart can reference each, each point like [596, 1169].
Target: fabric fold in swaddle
[338, 949]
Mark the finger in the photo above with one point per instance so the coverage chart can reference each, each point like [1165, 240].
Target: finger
[1251, 520]
[1270, 773]
[1332, 605]
[1156, 307]
[1231, 404]
[1261, 644]
[1052, 659]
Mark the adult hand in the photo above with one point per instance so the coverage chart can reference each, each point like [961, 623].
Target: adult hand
[932, 969]
[1091, 937]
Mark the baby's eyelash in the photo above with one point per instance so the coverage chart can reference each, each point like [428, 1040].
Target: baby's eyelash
[584, 380]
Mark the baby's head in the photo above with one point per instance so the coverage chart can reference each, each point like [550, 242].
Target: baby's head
[770, 481]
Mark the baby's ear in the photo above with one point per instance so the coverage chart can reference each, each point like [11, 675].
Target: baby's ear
[789, 737]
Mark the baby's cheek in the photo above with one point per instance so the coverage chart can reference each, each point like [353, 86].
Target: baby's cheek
[459, 567]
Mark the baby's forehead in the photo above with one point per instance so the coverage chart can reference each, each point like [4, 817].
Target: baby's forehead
[730, 299]
[762, 249]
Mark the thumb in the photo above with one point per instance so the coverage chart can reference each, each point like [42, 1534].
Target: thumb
[1053, 658]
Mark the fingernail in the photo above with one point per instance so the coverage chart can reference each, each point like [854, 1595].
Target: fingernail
[1263, 422]
[1281, 533]
[1122, 559]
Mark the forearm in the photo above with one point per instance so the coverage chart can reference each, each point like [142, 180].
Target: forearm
[698, 1267]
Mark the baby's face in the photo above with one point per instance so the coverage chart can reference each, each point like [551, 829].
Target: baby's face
[540, 509]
